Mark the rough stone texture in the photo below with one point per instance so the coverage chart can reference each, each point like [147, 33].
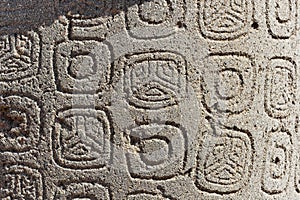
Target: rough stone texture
[149, 99]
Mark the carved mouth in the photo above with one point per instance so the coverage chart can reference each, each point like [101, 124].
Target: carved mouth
[153, 96]
[12, 65]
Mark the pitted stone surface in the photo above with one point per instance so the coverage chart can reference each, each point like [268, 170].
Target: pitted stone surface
[149, 99]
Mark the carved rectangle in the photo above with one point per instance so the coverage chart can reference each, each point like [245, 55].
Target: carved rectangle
[81, 139]
[224, 20]
[154, 19]
[19, 56]
[282, 18]
[158, 151]
[88, 20]
[92, 28]
[225, 160]
[228, 83]
[280, 87]
[82, 66]
[278, 157]
[154, 80]
[20, 182]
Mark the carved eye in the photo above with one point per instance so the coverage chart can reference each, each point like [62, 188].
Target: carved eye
[82, 66]
[230, 83]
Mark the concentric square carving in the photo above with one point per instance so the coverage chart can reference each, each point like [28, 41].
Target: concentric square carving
[81, 139]
[228, 83]
[154, 19]
[82, 66]
[225, 20]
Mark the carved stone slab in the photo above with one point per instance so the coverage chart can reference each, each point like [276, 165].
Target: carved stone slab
[149, 99]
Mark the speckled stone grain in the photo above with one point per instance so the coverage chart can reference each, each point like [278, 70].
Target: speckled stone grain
[149, 100]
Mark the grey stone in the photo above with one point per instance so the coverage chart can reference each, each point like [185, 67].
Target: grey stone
[149, 99]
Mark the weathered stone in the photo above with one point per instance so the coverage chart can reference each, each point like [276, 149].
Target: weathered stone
[149, 99]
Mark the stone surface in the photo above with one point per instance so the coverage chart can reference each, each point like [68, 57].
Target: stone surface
[149, 99]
